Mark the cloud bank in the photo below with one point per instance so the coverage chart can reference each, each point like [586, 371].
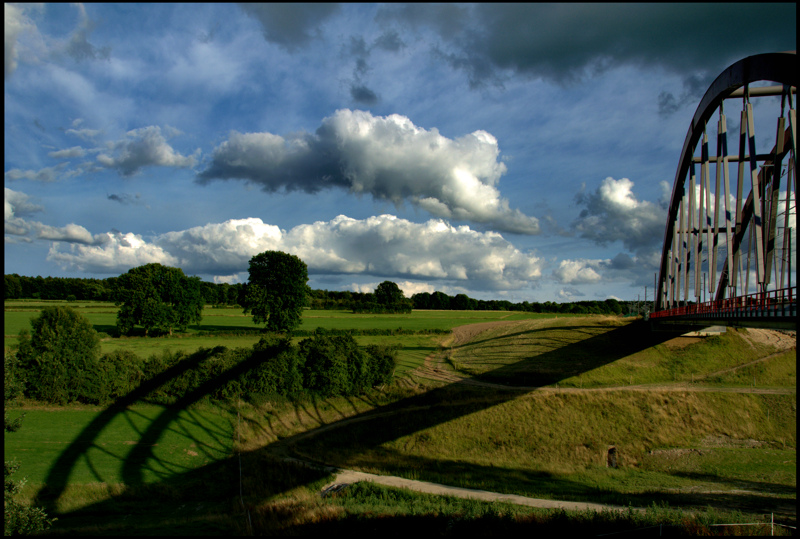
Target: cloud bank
[613, 213]
[387, 157]
[564, 43]
[383, 246]
[17, 228]
[140, 148]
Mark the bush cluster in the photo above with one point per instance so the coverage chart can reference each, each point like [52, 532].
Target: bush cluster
[373, 332]
[61, 364]
[400, 307]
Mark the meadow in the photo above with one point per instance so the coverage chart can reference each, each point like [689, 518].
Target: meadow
[704, 429]
[229, 327]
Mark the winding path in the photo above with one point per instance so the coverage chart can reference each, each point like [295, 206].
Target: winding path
[430, 370]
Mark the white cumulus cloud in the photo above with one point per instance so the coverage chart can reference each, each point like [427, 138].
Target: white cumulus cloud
[17, 206]
[384, 246]
[613, 213]
[387, 157]
[113, 253]
[47, 174]
[579, 271]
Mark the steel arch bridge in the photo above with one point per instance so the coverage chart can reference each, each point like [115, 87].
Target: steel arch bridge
[713, 233]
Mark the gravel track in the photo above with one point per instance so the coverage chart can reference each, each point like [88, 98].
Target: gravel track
[433, 370]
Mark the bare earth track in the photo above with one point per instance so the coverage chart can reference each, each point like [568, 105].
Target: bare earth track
[434, 369]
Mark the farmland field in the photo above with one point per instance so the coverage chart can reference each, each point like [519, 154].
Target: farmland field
[103, 316]
[116, 451]
[229, 327]
[529, 407]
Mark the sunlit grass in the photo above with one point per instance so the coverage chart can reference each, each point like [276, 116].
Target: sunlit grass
[674, 445]
[554, 445]
[568, 349]
[192, 438]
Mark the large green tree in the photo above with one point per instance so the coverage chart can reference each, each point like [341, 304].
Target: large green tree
[59, 356]
[157, 297]
[391, 299]
[276, 290]
[388, 293]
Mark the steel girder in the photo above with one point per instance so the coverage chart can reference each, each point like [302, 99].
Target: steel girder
[683, 246]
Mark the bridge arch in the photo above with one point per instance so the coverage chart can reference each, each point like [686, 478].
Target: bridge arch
[711, 228]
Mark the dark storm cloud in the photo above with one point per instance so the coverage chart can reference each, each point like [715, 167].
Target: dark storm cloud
[566, 42]
[389, 41]
[448, 20]
[622, 262]
[363, 95]
[125, 198]
[290, 25]
[359, 91]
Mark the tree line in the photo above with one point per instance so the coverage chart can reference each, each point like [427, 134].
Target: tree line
[387, 297]
[88, 289]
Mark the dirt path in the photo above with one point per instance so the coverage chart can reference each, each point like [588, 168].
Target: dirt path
[347, 477]
[434, 369]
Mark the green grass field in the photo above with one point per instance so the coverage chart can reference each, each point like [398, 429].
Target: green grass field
[673, 439]
[231, 328]
[688, 425]
[118, 448]
[103, 316]
[605, 352]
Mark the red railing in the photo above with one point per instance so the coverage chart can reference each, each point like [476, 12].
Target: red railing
[761, 304]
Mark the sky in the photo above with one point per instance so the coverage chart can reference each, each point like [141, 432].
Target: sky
[523, 152]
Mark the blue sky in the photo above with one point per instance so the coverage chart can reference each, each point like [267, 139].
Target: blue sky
[521, 152]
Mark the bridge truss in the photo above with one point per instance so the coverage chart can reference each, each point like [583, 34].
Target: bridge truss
[713, 232]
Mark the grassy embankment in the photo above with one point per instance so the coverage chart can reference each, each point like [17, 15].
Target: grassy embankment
[672, 439]
[691, 448]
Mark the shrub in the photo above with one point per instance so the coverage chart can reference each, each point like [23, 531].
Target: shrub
[335, 365]
[117, 374]
[59, 355]
[383, 360]
[278, 369]
[324, 366]
[18, 518]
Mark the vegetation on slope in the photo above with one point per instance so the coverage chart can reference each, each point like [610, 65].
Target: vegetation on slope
[601, 381]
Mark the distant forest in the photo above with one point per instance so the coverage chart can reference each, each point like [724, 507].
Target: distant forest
[224, 294]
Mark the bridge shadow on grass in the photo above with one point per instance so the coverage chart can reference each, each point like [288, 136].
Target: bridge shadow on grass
[362, 431]
[214, 328]
[141, 458]
[566, 356]
[108, 329]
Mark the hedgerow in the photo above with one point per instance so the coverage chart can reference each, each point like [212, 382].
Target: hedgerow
[63, 368]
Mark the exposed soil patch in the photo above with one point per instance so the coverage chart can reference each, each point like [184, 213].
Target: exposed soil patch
[681, 342]
[779, 339]
[465, 334]
[727, 441]
[674, 453]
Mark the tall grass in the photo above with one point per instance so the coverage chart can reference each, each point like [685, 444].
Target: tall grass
[192, 439]
[566, 347]
[693, 449]
[376, 509]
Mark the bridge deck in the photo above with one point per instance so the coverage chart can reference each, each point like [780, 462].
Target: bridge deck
[772, 309]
